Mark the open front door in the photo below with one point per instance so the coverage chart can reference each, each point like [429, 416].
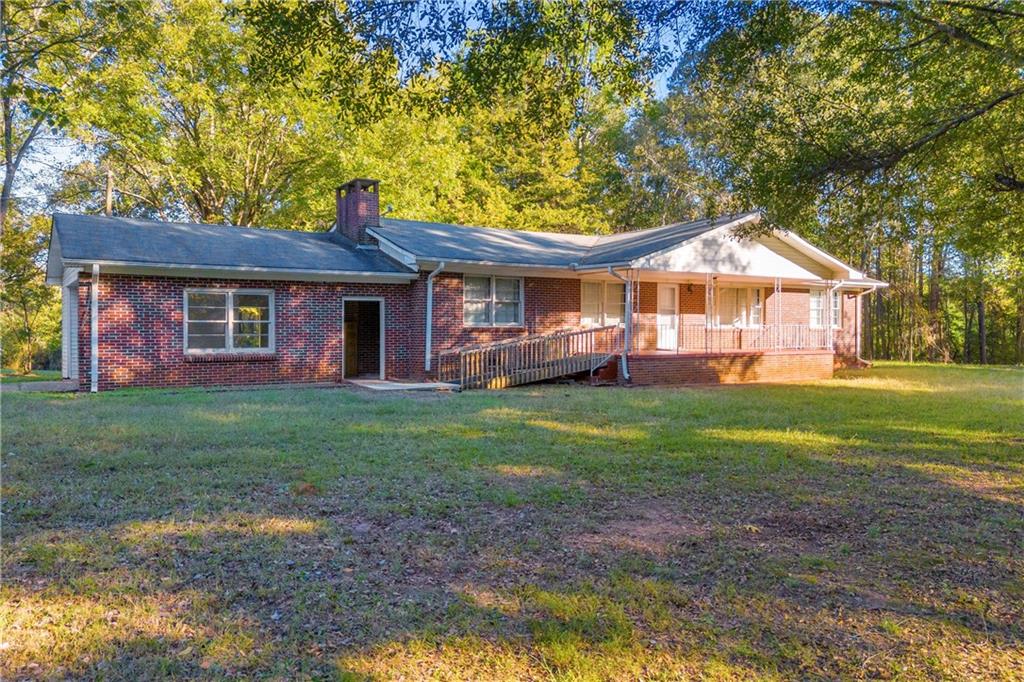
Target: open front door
[668, 316]
[364, 338]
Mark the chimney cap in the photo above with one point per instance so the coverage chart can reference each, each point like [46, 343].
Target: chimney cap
[360, 183]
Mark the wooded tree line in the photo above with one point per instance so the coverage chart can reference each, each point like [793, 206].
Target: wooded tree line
[889, 133]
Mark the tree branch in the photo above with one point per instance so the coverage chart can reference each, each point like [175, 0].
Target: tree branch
[881, 160]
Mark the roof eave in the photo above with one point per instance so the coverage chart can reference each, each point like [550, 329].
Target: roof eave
[237, 272]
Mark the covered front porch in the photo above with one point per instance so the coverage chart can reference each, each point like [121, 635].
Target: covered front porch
[707, 328]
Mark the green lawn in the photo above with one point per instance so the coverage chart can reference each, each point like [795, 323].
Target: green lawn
[871, 526]
[10, 376]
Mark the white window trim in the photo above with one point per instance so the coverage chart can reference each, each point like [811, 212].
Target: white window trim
[747, 307]
[503, 325]
[230, 331]
[603, 302]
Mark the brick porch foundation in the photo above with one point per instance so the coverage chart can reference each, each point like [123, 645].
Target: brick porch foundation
[730, 368]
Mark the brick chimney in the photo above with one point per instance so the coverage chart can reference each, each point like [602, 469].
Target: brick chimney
[358, 207]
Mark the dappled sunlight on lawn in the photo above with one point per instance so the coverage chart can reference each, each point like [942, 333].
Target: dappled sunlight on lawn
[887, 384]
[587, 432]
[805, 440]
[241, 524]
[526, 471]
[83, 630]
[865, 527]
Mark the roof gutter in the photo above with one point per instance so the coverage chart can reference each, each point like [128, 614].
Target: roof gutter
[599, 267]
[428, 334]
[282, 272]
[629, 321]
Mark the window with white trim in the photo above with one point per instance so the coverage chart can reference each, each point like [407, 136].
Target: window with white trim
[229, 320]
[817, 317]
[817, 307]
[602, 303]
[739, 307]
[492, 301]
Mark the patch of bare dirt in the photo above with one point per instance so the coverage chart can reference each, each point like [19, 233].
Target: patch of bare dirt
[656, 530]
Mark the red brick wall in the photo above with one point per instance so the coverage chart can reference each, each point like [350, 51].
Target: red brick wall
[550, 304]
[730, 368]
[141, 327]
[692, 303]
[141, 333]
[846, 338]
[796, 306]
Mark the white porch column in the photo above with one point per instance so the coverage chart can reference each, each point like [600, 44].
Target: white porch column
[777, 308]
[628, 331]
[94, 332]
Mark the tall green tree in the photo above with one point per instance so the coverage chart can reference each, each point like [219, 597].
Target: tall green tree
[50, 51]
[29, 309]
[186, 132]
[890, 132]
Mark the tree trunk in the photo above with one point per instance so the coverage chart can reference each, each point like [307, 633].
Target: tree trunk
[968, 327]
[982, 350]
[936, 342]
[1019, 333]
[26, 364]
[9, 170]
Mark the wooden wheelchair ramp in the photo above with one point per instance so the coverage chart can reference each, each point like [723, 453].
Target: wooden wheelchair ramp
[531, 358]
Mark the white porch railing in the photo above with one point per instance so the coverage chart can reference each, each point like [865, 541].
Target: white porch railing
[526, 359]
[698, 338]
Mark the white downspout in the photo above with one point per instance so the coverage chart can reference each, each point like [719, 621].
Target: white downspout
[94, 332]
[860, 323]
[429, 333]
[830, 324]
[629, 320]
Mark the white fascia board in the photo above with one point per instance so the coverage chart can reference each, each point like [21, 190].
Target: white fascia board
[393, 250]
[243, 272]
[636, 263]
[801, 244]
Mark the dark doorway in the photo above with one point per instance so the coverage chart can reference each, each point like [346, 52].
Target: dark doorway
[363, 356]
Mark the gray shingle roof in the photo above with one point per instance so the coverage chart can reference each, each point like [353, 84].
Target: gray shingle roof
[444, 242]
[441, 241]
[125, 240]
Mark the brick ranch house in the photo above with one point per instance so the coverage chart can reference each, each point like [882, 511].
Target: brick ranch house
[166, 304]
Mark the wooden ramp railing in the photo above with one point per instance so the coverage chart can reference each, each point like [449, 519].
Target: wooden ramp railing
[532, 358]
